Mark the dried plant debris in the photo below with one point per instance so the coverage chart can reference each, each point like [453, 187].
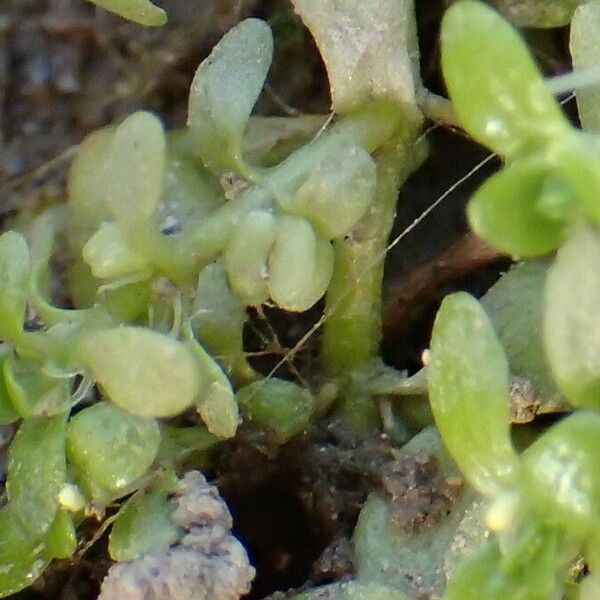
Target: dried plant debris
[207, 564]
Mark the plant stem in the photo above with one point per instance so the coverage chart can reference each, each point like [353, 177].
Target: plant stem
[352, 331]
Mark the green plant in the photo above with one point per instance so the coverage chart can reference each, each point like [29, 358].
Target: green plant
[168, 237]
[544, 502]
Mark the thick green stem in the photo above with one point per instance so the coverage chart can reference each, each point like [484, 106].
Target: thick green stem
[352, 331]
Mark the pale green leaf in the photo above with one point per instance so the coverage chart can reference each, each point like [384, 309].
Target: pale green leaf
[143, 526]
[15, 271]
[224, 91]
[572, 317]
[144, 372]
[110, 449]
[135, 169]
[585, 53]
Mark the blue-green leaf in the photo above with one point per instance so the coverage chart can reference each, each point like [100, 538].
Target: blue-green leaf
[224, 91]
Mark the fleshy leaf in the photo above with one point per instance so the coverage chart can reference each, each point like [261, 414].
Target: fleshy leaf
[15, 271]
[61, 541]
[281, 409]
[135, 169]
[37, 472]
[496, 89]
[561, 473]
[216, 403]
[144, 372]
[468, 390]
[369, 48]
[139, 11]
[338, 192]
[532, 574]
[22, 556]
[88, 182]
[510, 210]
[110, 449]
[572, 317]
[109, 256]
[516, 304]
[143, 526]
[224, 91]
[300, 265]
[246, 257]
[32, 392]
[585, 52]
[218, 321]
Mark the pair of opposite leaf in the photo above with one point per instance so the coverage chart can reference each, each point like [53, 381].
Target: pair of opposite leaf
[548, 194]
[552, 176]
[273, 234]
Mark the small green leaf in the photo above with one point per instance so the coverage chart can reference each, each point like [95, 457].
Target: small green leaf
[495, 87]
[516, 304]
[216, 403]
[585, 52]
[561, 473]
[22, 556]
[143, 526]
[110, 449]
[572, 317]
[32, 392]
[523, 209]
[468, 390]
[144, 372]
[338, 192]
[61, 541]
[37, 472]
[139, 11]
[279, 408]
[109, 256]
[300, 265]
[224, 91]
[246, 256]
[178, 442]
[135, 168]
[87, 187]
[484, 574]
[15, 271]
[218, 321]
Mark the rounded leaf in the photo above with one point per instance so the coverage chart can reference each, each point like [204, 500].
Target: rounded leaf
[338, 192]
[15, 271]
[246, 256]
[495, 87]
[36, 472]
[511, 209]
[108, 255]
[561, 473]
[143, 526]
[110, 449]
[135, 169]
[468, 383]
[300, 265]
[572, 317]
[144, 372]
[279, 408]
[224, 91]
